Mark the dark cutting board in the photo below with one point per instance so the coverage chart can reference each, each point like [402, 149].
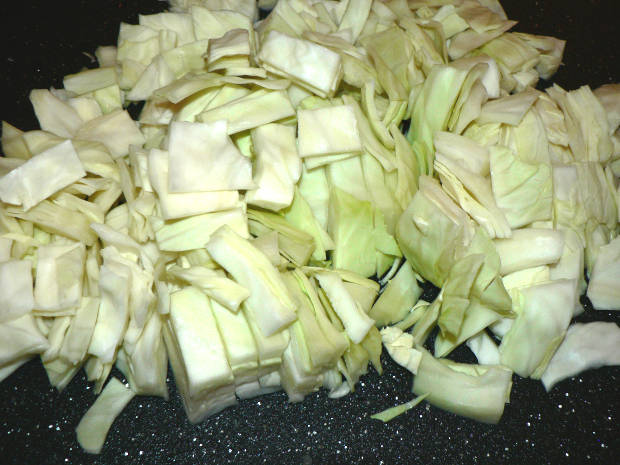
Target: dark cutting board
[577, 422]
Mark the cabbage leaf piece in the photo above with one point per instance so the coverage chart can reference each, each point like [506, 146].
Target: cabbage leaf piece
[398, 297]
[356, 322]
[215, 284]
[543, 315]
[528, 248]
[20, 337]
[17, 297]
[201, 157]
[312, 66]
[473, 391]
[400, 346]
[586, 346]
[391, 413]
[522, 190]
[116, 130]
[328, 131]
[269, 298]
[60, 271]
[41, 176]
[604, 285]
[94, 425]
[178, 205]
[278, 166]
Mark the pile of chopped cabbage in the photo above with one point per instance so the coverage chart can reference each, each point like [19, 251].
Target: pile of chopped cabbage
[276, 167]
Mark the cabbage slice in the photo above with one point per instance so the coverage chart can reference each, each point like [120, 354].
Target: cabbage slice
[94, 425]
[604, 286]
[400, 346]
[60, 271]
[250, 111]
[42, 176]
[116, 130]
[277, 168]
[355, 321]
[473, 391]
[179, 205]
[20, 337]
[528, 248]
[398, 297]
[544, 313]
[523, 190]
[218, 287]
[269, 299]
[55, 115]
[328, 131]
[17, 296]
[77, 339]
[586, 346]
[199, 341]
[194, 232]
[201, 157]
[393, 412]
[312, 66]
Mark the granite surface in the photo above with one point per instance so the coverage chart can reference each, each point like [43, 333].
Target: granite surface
[577, 422]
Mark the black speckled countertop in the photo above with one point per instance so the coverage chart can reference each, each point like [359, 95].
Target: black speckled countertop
[577, 422]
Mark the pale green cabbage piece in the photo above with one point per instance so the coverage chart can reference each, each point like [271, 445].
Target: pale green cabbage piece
[529, 247]
[94, 425]
[523, 190]
[475, 319]
[269, 299]
[432, 218]
[186, 58]
[77, 339]
[398, 297]
[239, 343]
[55, 115]
[296, 245]
[201, 157]
[199, 341]
[216, 285]
[300, 215]
[156, 75]
[508, 110]
[90, 80]
[400, 346]
[544, 313]
[115, 280]
[473, 391]
[277, 166]
[328, 131]
[312, 66]
[17, 297]
[147, 360]
[193, 232]
[484, 348]
[59, 277]
[604, 285]
[439, 94]
[314, 187]
[355, 321]
[184, 204]
[250, 111]
[180, 24]
[393, 412]
[20, 337]
[115, 130]
[585, 347]
[351, 226]
[41, 176]
[586, 123]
